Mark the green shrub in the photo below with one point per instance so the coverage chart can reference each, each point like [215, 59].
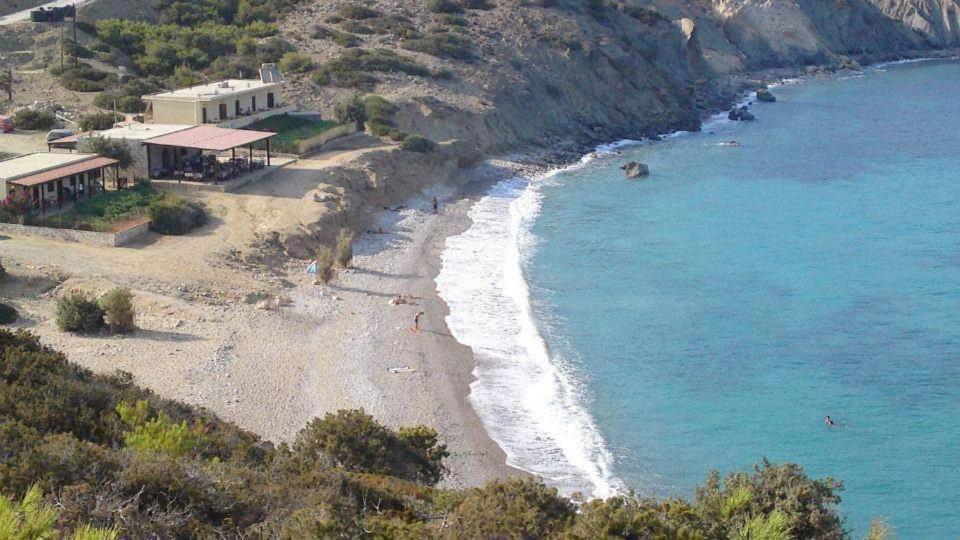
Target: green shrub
[515, 508]
[326, 259]
[8, 314]
[352, 69]
[444, 6]
[416, 143]
[478, 4]
[29, 119]
[397, 135]
[354, 441]
[357, 12]
[344, 248]
[450, 19]
[81, 85]
[355, 27]
[443, 45]
[77, 313]
[340, 38]
[99, 121]
[296, 63]
[159, 435]
[173, 215]
[393, 24]
[117, 305]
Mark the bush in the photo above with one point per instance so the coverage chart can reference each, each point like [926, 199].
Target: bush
[515, 508]
[326, 259]
[8, 314]
[351, 110]
[357, 12]
[296, 63]
[344, 248]
[77, 313]
[82, 85]
[416, 143]
[354, 441]
[99, 121]
[444, 6]
[159, 435]
[340, 38]
[29, 119]
[117, 306]
[352, 69]
[443, 45]
[478, 4]
[173, 215]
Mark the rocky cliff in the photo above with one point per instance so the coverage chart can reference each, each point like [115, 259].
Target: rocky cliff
[546, 71]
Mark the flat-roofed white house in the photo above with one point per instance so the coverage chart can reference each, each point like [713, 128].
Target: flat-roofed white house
[219, 102]
[51, 179]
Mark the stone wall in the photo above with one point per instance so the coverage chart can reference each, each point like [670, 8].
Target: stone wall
[92, 238]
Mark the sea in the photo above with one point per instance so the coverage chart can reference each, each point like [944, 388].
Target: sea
[635, 334]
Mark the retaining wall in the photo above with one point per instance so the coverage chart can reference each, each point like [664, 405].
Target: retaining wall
[114, 239]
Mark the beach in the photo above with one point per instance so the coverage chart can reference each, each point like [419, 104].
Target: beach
[377, 363]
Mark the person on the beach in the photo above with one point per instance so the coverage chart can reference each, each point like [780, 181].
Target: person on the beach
[400, 299]
[416, 323]
[436, 205]
[829, 421]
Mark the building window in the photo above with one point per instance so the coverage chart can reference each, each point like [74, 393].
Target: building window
[253, 102]
[204, 115]
[236, 108]
[223, 111]
[270, 100]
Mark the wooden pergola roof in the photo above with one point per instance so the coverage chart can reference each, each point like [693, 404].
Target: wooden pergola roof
[210, 138]
[63, 172]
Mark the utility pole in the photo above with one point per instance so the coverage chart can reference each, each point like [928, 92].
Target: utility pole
[76, 45]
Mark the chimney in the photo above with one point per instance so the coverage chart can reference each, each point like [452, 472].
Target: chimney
[270, 73]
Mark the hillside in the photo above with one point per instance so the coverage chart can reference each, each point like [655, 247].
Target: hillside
[108, 454]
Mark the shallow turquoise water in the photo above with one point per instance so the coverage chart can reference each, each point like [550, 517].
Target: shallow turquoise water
[717, 311]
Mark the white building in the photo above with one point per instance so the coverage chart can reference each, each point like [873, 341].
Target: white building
[218, 102]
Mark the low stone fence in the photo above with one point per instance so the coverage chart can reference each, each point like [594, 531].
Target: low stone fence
[111, 239]
[314, 143]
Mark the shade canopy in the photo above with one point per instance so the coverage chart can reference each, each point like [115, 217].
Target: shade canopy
[63, 172]
[211, 138]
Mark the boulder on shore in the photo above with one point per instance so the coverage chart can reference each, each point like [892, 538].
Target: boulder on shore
[741, 114]
[764, 96]
[635, 170]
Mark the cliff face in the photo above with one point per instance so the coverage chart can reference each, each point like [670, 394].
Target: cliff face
[569, 72]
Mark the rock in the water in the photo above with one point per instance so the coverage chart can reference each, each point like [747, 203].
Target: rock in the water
[764, 96]
[636, 170]
[741, 114]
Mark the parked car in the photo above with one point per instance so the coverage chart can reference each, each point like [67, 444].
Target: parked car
[6, 124]
[55, 134]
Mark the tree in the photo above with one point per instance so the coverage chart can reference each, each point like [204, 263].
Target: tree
[111, 148]
[32, 519]
[6, 83]
[352, 110]
[77, 313]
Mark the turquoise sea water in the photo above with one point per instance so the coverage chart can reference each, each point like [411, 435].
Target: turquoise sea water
[716, 312]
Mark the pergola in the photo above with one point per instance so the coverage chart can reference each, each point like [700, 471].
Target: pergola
[211, 139]
[55, 177]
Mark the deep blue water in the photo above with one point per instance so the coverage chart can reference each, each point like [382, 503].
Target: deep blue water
[718, 310]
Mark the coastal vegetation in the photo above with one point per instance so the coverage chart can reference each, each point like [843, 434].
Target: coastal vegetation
[291, 131]
[99, 121]
[29, 119]
[117, 457]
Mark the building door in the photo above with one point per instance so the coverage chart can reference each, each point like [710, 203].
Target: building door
[236, 108]
[223, 111]
[270, 103]
[204, 115]
[253, 102]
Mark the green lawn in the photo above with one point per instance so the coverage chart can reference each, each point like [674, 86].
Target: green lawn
[104, 212]
[291, 130]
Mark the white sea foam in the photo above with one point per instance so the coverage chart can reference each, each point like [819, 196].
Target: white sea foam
[528, 397]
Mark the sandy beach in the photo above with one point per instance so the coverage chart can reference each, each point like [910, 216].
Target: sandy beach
[377, 362]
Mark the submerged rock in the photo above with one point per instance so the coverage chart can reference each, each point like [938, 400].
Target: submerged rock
[741, 114]
[764, 96]
[635, 170]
